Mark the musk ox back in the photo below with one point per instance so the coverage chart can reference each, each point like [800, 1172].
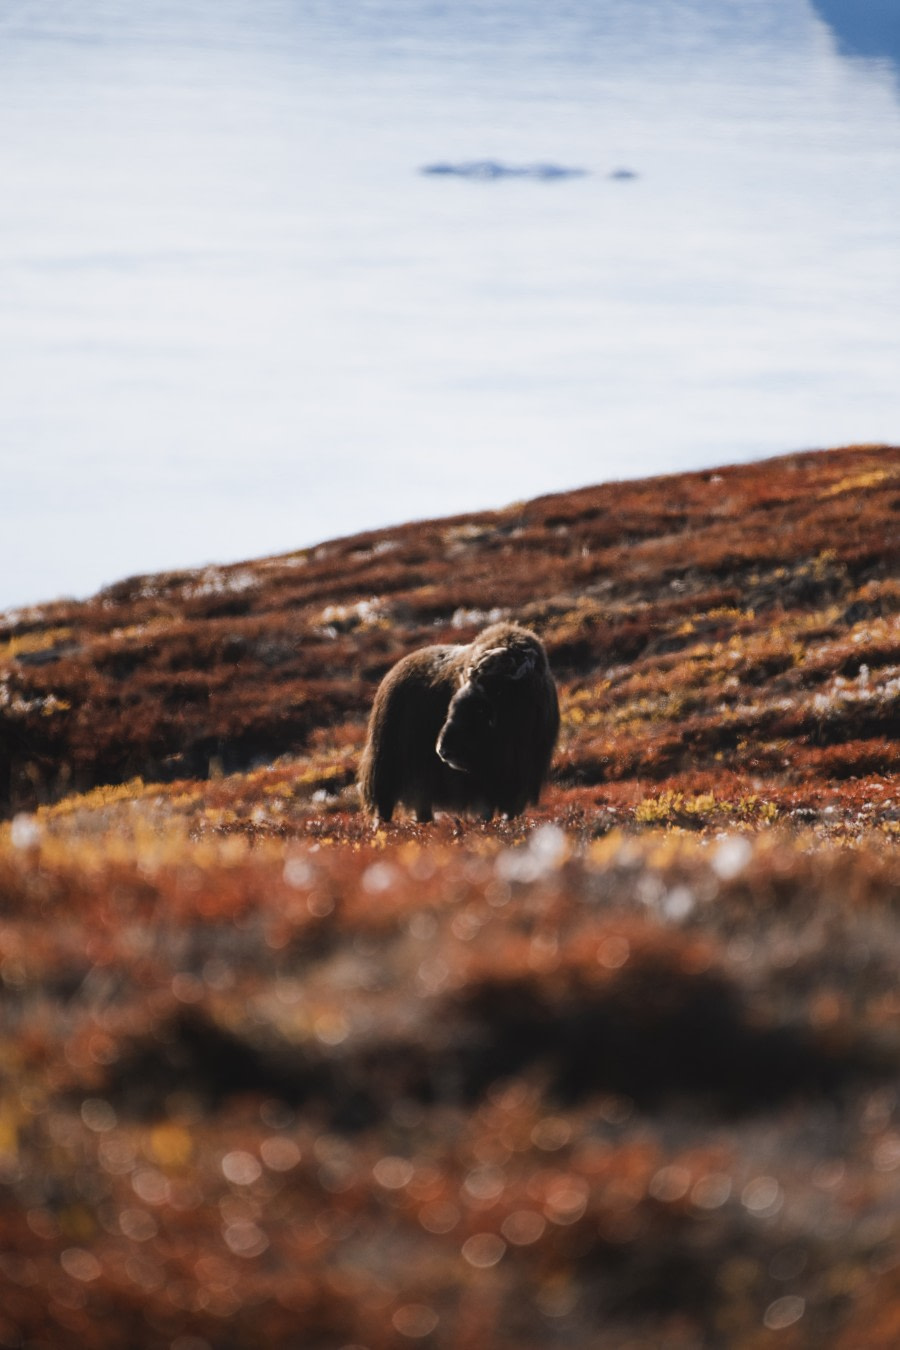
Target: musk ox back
[463, 728]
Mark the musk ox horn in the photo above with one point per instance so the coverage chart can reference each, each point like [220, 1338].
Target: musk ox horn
[501, 660]
[464, 728]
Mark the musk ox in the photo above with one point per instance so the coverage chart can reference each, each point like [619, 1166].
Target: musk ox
[462, 728]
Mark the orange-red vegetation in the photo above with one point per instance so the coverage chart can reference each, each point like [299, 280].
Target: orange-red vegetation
[742, 620]
[621, 1074]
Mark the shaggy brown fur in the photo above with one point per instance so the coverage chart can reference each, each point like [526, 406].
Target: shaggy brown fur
[463, 728]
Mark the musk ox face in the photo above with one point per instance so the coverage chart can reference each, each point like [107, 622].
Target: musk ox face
[462, 728]
[468, 739]
[465, 740]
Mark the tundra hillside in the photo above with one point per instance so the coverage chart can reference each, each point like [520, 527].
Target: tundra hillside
[621, 1074]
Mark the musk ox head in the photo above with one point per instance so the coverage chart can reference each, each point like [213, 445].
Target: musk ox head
[469, 737]
[465, 739]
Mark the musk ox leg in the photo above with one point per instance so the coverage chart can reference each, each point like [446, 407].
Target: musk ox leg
[424, 813]
[379, 793]
[381, 803]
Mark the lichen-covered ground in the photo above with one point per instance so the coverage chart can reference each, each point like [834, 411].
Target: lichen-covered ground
[620, 1074]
